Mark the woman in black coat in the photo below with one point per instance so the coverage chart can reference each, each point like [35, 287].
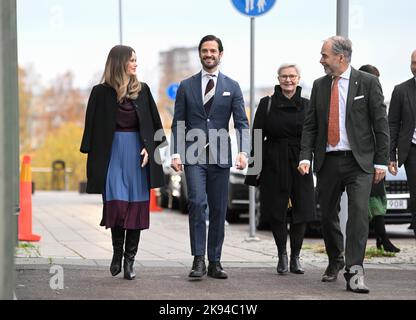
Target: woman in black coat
[377, 205]
[281, 123]
[122, 136]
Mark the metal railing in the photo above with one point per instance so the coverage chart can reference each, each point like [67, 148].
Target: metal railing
[67, 173]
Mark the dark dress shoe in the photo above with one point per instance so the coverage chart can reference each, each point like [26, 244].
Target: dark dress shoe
[282, 264]
[355, 282]
[331, 272]
[385, 243]
[115, 267]
[117, 237]
[198, 267]
[295, 266]
[215, 270]
[128, 269]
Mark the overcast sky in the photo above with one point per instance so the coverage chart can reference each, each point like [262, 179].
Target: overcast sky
[59, 35]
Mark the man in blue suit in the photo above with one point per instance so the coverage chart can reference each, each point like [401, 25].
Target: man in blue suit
[203, 108]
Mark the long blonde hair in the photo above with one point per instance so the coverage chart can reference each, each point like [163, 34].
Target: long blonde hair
[115, 75]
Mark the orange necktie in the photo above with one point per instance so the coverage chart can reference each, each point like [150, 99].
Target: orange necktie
[333, 123]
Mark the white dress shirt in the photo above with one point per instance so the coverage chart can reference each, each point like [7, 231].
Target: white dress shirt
[414, 133]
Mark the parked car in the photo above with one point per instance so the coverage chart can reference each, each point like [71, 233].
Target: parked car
[398, 197]
[397, 193]
[174, 193]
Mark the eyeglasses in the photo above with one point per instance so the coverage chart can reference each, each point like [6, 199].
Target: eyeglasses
[288, 76]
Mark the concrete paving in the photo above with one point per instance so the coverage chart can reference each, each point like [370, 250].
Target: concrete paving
[73, 241]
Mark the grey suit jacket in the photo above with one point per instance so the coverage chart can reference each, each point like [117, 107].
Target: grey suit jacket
[366, 122]
[402, 119]
[193, 128]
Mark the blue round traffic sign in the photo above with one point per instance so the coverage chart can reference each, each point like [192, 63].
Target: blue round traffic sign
[171, 91]
[253, 8]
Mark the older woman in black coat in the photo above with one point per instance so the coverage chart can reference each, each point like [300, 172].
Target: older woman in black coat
[121, 137]
[280, 117]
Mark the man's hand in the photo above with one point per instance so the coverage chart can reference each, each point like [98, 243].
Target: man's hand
[304, 169]
[145, 157]
[241, 161]
[176, 164]
[393, 168]
[379, 175]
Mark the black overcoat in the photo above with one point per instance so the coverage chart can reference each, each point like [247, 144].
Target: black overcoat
[279, 179]
[100, 125]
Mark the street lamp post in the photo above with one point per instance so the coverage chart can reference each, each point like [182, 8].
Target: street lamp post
[9, 146]
[251, 10]
[120, 20]
[342, 30]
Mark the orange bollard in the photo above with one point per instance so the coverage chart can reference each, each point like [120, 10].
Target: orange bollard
[25, 216]
[153, 202]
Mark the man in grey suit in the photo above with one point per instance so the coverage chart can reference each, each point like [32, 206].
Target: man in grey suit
[203, 108]
[346, 131]
[402, 122]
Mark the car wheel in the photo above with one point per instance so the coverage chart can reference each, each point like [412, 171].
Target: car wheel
[183, 202]
[232, 215]
[261, 224]
[164, 200]
[314, 228]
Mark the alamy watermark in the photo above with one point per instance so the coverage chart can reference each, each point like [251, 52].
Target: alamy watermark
[56, 282]
[197, 146]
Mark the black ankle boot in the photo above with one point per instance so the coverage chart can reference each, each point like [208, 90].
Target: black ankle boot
[388, 246]
[282, 264]
[117, 237]
[382, 238]
[132, 243]
[378, 243]
[413, 223]
[295, 266]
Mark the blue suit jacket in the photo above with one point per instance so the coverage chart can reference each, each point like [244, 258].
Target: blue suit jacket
[193, 128]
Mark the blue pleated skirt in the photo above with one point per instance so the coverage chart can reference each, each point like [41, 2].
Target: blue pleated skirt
[126, 196]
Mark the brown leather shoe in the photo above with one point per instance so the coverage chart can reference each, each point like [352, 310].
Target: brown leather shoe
[331, 272]
[215, 270]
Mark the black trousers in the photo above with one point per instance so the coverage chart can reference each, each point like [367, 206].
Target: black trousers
[340, 171]
[410, 167]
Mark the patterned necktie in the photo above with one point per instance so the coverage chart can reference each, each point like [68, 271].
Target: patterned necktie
[333, 123]
[209, 94]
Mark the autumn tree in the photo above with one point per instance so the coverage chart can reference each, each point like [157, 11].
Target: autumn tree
[61, 144]
[25, 100]
[58, 104]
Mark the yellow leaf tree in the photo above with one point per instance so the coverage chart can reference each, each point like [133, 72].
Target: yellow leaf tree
[60, 144]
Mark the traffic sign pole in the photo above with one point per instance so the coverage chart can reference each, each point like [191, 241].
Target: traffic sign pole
[252, 8]
[252, 190]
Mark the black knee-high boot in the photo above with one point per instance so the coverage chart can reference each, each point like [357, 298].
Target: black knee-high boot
[297, 232]
[117, 237]
[413, 223]
[279, 230]
[381, 236]
[130, 250]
